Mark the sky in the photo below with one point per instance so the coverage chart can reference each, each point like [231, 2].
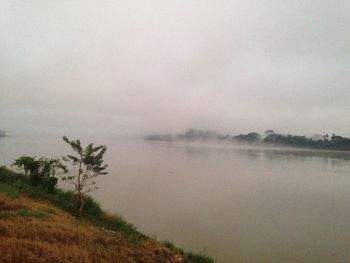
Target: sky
[130, 68]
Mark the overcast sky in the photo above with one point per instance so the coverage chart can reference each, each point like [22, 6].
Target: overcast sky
[135, 67]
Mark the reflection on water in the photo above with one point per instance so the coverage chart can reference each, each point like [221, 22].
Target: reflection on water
[235, 204]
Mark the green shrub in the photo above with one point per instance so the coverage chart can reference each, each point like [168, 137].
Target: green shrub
[41, 171]
[8, 176]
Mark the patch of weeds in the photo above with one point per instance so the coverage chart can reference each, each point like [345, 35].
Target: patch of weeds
[6, 214]
[31, 213]
[64, 199]
[192, 257]
[49, 210]
[118, 224]
[197, 258]
[172, 247]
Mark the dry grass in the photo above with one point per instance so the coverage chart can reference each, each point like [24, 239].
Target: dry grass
[35, 231]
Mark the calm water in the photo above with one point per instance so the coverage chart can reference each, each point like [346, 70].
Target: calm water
[235, 204]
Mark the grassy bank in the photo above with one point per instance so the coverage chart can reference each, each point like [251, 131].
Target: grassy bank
[37, 226]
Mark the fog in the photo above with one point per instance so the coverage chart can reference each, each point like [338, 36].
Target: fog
[127, 68]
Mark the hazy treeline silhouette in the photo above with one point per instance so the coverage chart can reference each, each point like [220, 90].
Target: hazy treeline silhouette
[269, 137]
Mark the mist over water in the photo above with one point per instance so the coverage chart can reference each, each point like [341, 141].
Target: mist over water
[234, 203]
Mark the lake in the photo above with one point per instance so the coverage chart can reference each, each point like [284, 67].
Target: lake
[236, 204]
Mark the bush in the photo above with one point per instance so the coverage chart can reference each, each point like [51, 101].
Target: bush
[8, 176]
[41, 171]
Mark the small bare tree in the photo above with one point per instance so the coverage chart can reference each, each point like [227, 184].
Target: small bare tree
[86, 167]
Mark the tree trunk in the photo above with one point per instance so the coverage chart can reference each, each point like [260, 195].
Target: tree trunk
[81, 204]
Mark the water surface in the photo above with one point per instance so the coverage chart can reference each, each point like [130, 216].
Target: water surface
[236, 204]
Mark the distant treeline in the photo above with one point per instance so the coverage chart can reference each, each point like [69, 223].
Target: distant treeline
[190, 135]
[334, 142]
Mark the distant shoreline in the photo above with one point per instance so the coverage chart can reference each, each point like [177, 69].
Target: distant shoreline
[269, 139]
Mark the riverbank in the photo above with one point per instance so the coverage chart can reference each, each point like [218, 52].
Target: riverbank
[37, 226]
